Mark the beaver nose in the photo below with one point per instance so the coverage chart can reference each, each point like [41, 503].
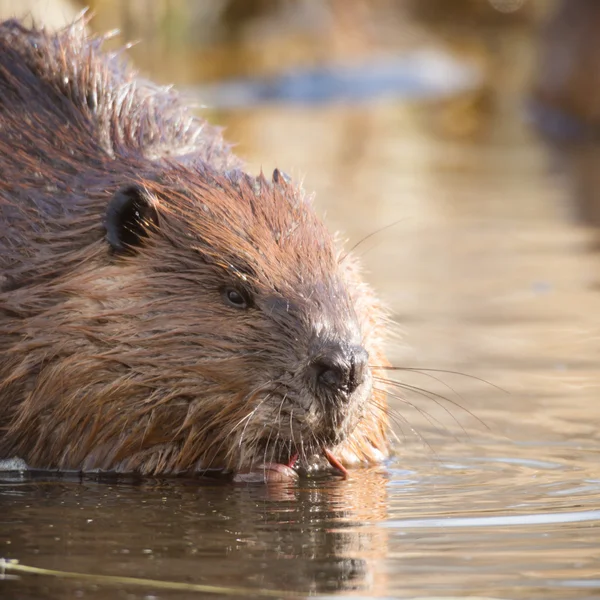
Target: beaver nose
[340, 369]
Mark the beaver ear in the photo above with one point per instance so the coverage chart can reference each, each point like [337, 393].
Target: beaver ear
[279, 176]
[131, 212]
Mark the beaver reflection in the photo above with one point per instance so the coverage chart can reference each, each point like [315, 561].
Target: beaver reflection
[320, 537]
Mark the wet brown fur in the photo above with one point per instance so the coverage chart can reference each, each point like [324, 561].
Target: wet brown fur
[132, 362]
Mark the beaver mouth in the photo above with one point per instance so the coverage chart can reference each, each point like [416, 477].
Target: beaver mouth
[298, 435]
[286, 465]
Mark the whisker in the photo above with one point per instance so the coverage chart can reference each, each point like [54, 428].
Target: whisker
[433, 421]
[248, 418]
[423, 371]
[394, 415]
[265, 452]
[367, 237]
[280, 407]
[292, 441]
[399, 420]
[440, 380]
[317, 442]
[270, 395]
[278, 423]
[273, 450]
[435, 397]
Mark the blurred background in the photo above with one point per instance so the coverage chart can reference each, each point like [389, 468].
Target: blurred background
[456, 142]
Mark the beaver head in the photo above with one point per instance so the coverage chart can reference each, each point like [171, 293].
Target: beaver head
[234, 290]
[218, 327]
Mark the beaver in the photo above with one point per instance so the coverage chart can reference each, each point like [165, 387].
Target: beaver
[161, 310]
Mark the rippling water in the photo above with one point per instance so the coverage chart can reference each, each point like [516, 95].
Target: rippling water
[494, 490]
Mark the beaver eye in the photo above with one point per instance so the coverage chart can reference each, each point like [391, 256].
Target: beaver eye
[236, 297]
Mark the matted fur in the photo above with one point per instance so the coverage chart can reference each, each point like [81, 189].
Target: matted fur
[133, 362]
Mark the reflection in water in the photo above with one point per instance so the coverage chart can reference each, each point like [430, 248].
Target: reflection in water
[312, 536]
[493, 492]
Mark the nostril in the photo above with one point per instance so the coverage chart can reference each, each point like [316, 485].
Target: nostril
[330, 373]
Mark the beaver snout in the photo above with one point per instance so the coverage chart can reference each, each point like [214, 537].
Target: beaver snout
[339, 370]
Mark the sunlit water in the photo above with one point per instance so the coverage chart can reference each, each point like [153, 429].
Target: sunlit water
[494, 490]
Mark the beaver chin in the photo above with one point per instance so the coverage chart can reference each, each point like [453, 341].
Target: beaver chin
[301, 435]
